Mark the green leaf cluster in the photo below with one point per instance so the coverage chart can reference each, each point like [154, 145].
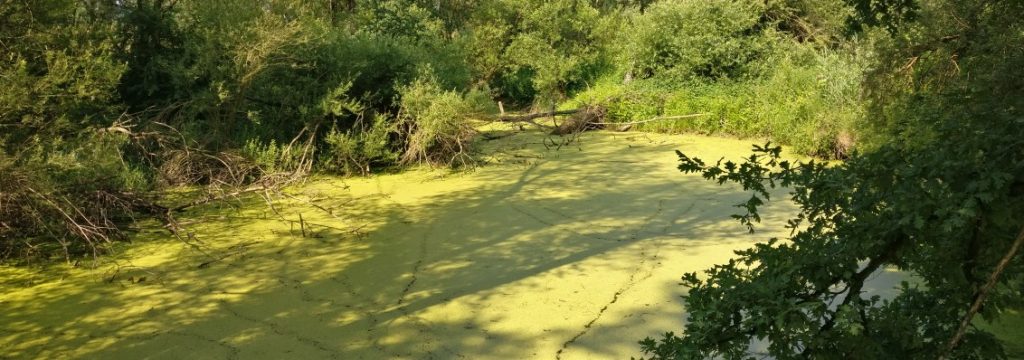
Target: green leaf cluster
[936, 196]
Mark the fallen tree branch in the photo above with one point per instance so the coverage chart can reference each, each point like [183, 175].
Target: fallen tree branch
[982, 293]
[654, 119]
[529, 117]
[210, 199]
[521, 118]
[260, 187]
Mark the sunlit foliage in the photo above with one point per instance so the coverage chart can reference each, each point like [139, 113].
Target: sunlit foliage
[934, 195]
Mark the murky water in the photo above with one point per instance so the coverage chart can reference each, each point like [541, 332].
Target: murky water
[545, 252]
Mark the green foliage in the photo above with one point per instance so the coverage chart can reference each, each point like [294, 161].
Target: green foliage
[771, 71]
[555, 43]
[107, 100]
[808, 99]
[682, 40]
[821, 22]
[890, 14]
[57, 82]
[400, 18]
[60, 70]
[437, 123]
[271, 157]
[363, 148]
[65, 198]
[200, 90]
[888, 208]
[934, 196]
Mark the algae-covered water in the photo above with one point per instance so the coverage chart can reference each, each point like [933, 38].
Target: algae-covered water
[545, 252]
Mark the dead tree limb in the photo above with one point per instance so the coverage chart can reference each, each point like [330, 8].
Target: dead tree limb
[530, 117]
[659, 118]
[264, 186]
[981, 294]
[591, 119]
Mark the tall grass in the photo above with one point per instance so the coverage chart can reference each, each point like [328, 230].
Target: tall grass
[807, 99]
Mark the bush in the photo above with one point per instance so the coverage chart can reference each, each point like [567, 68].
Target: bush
[365, 147]
[550, 44]
[67, 200]
[431, 127]
[436, 123]
[809, 100]
[685, 40]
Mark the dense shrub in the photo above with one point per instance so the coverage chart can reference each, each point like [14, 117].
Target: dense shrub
[66, 202]
[746, 71]
[436, 123]
[682, 40]
[810, 102]
[368, 145]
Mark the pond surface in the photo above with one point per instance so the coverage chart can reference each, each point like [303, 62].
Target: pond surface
[541, 252]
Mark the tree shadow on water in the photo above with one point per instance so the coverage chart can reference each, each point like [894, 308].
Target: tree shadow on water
[562, 256]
